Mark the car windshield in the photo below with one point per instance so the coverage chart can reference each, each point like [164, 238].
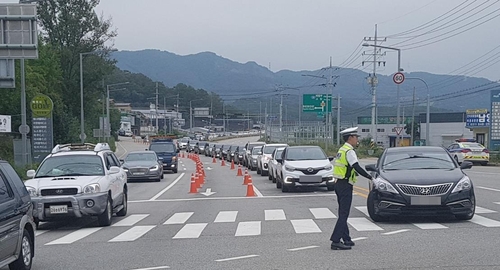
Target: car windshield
[71, 165]
[226, 147]
[269, 149]
[162, 147]
[141, 157]
[256, 150]
[417, 160]
[305, 153]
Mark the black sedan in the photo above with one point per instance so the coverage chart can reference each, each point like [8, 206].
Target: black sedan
[419, 181]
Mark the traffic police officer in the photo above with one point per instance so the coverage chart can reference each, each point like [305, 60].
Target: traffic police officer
[345, 168]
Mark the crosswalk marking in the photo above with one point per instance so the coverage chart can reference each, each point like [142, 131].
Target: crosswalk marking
[322, 213]
[132, 234]
[39, 232]
[363, 224]
[130, 220]
[429, 225]
[192, 230]
[74, 236]
[305, 226]
[496, 202]
[363, 209]
[248, 228]
[395, 232]
[485, 221]
[226, 216]
[274, 214]
[481, 210]
[179, 218]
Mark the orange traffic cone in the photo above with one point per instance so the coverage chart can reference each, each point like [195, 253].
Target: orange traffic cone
[197, 179]
[213, 160]
[239, 173]
[250, 191]
[232, 164]
[223, 163]
[193, 188]
[246, 179]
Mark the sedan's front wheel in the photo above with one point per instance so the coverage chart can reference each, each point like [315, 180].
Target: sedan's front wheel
[370, 203]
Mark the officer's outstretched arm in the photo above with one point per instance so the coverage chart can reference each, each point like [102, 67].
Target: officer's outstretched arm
[361, 171]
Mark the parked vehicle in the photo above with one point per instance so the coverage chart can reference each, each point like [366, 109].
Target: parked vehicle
[209, 149]
[224, 150]
[216, 151]
[17, 226]
[230, 153]
[256, 152]
[183, 143]
[191, 146]
[239, 154]
[273, 163]
[143, 165]
[248, 148]
[263, 160]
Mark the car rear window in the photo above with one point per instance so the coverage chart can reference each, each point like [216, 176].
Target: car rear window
[162, 147]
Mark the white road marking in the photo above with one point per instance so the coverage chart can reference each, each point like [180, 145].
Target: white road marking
[192, 230]
[277, 214]
[496, 202]
[226, 216]
[178, 218]
[429, 225]
[40, 232]
[486, 222]
[363, 224]
[74, 236]
[302, 248]
[232, 198]
[359, 238]
[167, 188]
[322, 213]
[480, 210]
[154, 268]
[492, 189]
[183, 165]
[257, 192]
[395, 232]
[363, 209]
[130, 220]
[124, 149]
[305, 226]
[236, 258]
[132, 234]
[185, 169]
[248, 228]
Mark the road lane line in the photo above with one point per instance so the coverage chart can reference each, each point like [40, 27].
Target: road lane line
[40, 232]
[363, 209]
[481, 210]
[226, 216]
[167, 188]
[248, 228]
[74, 236]
[429, 225]
[492, 189]
[277, 214]
[237, 258]
[322, 213]
[130, 220]
[363, 224]
[486, 222]
[302, 248]
[496, 202]
[359, 238]
[361, 188]
[395, 232]
[305, 226]
[360, 194]
[154, 268]
[178, 218]
[132, 234]
[190, 231]
[257, 191]
[234, 198]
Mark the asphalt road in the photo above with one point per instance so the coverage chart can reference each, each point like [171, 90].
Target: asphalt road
[168, 228]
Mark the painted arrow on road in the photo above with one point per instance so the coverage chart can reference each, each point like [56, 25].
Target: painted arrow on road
[208, 192]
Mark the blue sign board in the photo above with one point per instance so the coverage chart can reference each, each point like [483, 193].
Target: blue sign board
[495, 120]
[477, 118]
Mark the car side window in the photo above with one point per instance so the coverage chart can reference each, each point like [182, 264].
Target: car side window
[18, 183]
[115, 159]
[110, 161]
[5, 191]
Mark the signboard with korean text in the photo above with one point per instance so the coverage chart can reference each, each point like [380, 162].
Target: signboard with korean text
[42, 129]
[318, 103]
[5, 123]
[495, 120]
[477, 118]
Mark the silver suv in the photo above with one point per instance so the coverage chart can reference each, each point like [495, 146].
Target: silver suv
[78, 180]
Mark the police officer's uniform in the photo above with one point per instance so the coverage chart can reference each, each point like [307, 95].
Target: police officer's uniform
[345, 167]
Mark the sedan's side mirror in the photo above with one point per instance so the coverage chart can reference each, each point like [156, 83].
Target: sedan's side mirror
[122, 161]
[466, 165]
[30, 173]
[371, 168]
[114, 170]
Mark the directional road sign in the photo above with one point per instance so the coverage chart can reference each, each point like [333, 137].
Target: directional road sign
[317, 103]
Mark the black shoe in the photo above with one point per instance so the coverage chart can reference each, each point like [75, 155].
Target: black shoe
[349, 243]
[339, 246]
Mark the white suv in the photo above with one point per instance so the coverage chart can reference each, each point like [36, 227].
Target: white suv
[306, 166]
[78, 180]
[263, 160]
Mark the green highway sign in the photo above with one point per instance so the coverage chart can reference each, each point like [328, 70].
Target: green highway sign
[318, 103]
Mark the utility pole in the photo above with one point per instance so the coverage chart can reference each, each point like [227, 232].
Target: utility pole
[412, 119]
[338, 118]
[372, 79]
[164, 114]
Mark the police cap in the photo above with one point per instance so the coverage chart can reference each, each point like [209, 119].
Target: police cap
[350, 132]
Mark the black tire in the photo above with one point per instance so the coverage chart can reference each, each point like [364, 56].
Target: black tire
[25, 258]
[258, 170]
[104, 219]
[484, 163]
[269, 176]
[175, 170]
[284, 188]
[123, 212]
[161, 177]
[471, 215]
[278, 183]
[370, 203]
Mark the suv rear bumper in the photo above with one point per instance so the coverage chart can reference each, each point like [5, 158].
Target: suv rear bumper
[78, 205]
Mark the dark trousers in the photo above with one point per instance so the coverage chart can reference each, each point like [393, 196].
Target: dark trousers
[344, 198]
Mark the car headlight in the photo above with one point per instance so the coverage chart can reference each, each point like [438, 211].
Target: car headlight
[92, 188]
[328, 167]
[125, 169]
[154, 168]
[32, 191]
[463, 184]
[384, 185]
[290, 169]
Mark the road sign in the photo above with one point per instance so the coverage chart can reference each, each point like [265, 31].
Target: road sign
[316, 103]
[19, 31]
[398, 130]
[41, 106]
[5, 123]
[398, 78]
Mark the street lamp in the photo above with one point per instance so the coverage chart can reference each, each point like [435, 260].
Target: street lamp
[427, 114]
[398, 86]
[191, 113]
[107, 100]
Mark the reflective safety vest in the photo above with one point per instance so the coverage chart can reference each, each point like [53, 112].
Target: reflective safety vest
[341, 168]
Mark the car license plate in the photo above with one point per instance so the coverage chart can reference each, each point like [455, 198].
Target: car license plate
[58, 209]
[139, 173]
[310, 179]
[424, 200]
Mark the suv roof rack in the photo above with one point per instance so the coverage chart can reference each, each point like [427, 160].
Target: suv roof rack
[80, 147]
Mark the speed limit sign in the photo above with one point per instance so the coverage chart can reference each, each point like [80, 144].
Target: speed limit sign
[398, 78]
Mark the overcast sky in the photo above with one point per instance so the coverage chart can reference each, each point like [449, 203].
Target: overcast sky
[303, 34]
